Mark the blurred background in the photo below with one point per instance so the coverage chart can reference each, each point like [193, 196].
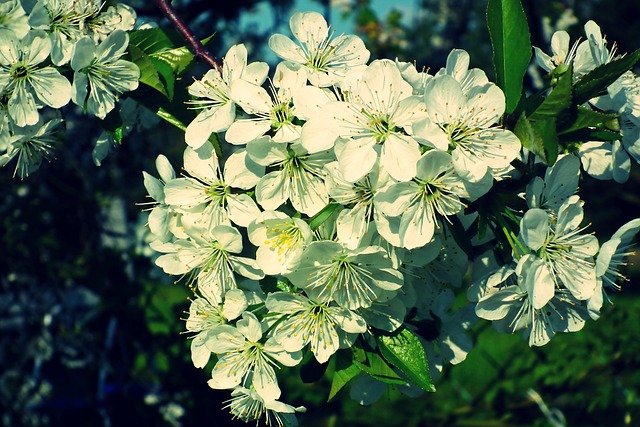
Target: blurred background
[91, 330]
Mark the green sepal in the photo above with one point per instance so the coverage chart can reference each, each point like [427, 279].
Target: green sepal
[326, 212]
[404, 350]
[113, 125]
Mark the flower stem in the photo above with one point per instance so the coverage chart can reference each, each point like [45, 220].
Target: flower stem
[197, 48]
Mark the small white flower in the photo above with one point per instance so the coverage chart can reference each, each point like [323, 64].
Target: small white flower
[311, 322]
[206, 198]
[31, 144]
[116, 17]
[280, 241]
[358, 198]
[272, 113]
[562, 56]
[373, 122]
[611, 258]
[434, 192]
[213, 95]
[164, 222]
[66, 21]
[101, 70]
[205, 314]
[445, 335]
[463, 121]
[29, 84]
[532, 305]
[352, 278]
[244, 360]
[560, 182]
[248, 406]
[208, 256]
[327, 59]
[299, 176]
[567, 254]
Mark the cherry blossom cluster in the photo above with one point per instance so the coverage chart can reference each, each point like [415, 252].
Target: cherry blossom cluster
[601, 159]
[329, 202]
[53, 52]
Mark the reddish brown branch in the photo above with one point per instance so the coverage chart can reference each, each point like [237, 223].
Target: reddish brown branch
[196, 47]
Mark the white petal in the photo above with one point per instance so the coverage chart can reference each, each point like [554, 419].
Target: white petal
[200, 354]
[234, 63]
[270, 191]
[416, 226]
[245, 130]
[246, 267]
[316, 136]
[399, 156]
[309, 27]
[428, 133]
[225, 374]
[252, 98]
[356, 157]
[264, 151]
[209, 120]
[229, 238]
[242, 172]
[51, 87]
[444, 99]
[309, 101]
[534, 228]
[242, 209]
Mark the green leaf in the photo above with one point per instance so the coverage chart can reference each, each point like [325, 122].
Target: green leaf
[540, 138]
[595, 83]
[583, 118]
[373, 364]
[583, 135]
[148, 72]
[151, 40]
[558, 100]
[511, 43]
[404, 351]
[165, 73]
[179, 59]
[326, 212]
[344, 370]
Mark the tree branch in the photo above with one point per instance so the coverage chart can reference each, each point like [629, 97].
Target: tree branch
[196, 47]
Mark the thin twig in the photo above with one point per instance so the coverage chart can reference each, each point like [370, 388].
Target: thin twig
[197, 48]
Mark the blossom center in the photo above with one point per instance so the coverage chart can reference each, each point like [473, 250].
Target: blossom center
[218, 192]
[457, 133]
[283, 236]
[281, 115]
[19, 71]
[380, 125]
